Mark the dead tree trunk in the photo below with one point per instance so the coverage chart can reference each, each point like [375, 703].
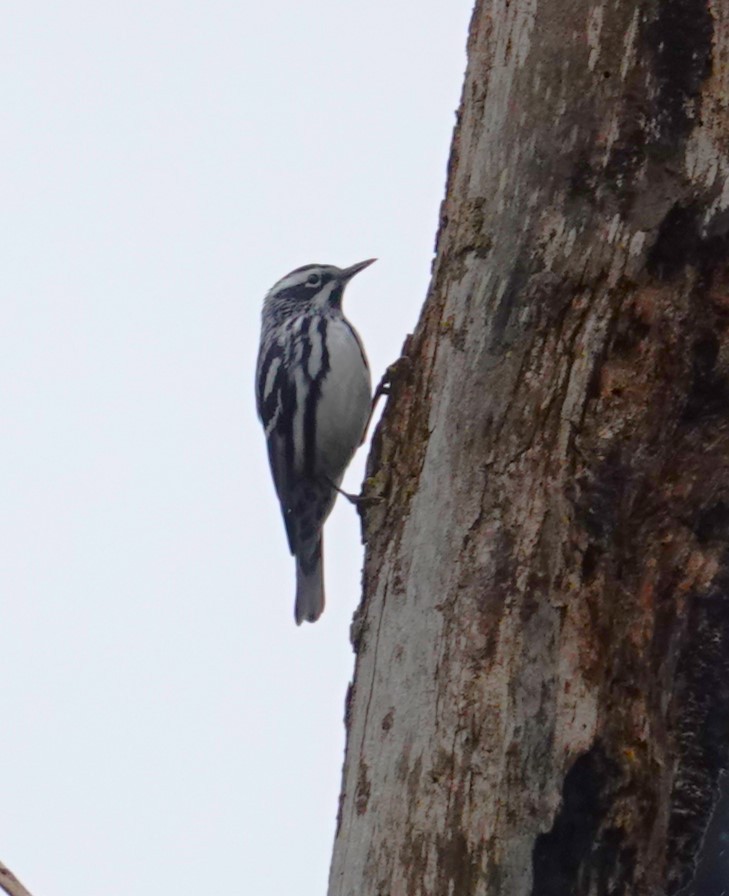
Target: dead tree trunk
[541, 696]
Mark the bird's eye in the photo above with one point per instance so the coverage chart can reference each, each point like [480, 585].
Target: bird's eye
[313, 280]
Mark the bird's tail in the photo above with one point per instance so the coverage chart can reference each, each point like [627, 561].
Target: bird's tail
[309, 585]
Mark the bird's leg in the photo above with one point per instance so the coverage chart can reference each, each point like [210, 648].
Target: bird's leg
[353, 499]
[357, 500]
[403, 365]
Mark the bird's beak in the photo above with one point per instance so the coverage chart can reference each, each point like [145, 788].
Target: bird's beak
[348, 273]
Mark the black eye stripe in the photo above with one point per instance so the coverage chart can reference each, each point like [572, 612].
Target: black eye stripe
[303, 289]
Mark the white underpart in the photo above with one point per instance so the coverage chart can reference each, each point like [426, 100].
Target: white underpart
[344, 406]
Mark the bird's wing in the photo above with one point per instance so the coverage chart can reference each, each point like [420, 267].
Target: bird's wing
[285, 407]
[275, 398]
[269, 369]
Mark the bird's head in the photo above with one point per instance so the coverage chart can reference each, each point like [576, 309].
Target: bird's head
[318, 287]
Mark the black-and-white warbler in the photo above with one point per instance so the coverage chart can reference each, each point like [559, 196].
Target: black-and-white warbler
[313, 393]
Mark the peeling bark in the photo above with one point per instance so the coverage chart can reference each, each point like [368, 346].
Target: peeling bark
[541, 695]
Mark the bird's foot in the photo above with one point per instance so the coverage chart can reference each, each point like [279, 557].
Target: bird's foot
[359, 501]
[400, 368]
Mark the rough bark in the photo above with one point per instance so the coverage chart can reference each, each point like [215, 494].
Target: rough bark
[541, 695]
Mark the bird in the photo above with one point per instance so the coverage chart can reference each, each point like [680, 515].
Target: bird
[314, 398]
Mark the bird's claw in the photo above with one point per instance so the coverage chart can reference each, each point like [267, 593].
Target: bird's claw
[359, 501]
[402, 366]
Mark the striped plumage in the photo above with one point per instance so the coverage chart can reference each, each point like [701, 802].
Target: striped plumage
[313, 395]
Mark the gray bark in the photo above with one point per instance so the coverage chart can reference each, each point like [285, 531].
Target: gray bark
[541, 695]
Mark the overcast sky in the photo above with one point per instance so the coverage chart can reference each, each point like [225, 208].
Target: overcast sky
[166, 727]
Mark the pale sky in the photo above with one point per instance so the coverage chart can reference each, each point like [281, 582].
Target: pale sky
[166, 726]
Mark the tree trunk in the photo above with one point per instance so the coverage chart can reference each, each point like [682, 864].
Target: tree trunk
[541, 696]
